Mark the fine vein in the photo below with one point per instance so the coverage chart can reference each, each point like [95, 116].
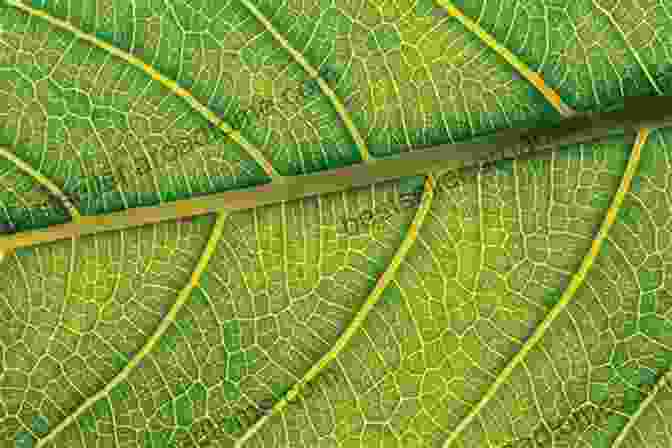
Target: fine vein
[533, 77]
[556, 101]
[664, 380]
[43, 180]
[634, 52]
[506, 144]
[567, 295]
[313, 73]
[154, 74]
[182, 298]
[362, 313]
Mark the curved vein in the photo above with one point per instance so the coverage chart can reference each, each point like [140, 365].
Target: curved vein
[634, 52]
[154, 74]
[565, 110]
[313, 73]
[360, 317]
[662, 381]
[577, 280]
[182, 298]
[533, 77]
[44, 181]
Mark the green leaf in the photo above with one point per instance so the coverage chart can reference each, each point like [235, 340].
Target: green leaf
[440, 317]
[40, 424]
[24, 440]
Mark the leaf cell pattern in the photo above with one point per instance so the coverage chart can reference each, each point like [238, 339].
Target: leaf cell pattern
[526, 302]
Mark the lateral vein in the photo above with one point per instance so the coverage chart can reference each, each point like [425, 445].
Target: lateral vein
[154, 74]
[182, 297]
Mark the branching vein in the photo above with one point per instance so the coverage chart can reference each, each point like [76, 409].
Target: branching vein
[362, 313]
[154, 74]
[182, 298]
[313, 73]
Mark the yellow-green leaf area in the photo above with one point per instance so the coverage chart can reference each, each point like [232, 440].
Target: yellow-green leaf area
[438, 324]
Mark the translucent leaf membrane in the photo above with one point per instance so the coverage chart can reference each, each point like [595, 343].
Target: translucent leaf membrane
[89, 118]
[75, 313]
[483, 274]
[25, 203]
[283, 282]
[592, 52]
[593, 369]
[406, 79]
[488, 328]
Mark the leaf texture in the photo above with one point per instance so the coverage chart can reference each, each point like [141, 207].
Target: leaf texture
[527, 304]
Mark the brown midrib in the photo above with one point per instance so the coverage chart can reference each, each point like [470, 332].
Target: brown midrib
[639, 112]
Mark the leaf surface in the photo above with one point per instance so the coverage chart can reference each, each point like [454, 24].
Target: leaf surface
[526, 301]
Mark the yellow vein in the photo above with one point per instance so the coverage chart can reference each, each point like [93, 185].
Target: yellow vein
[170, 84]
[664, 380]
[298, 57]
[43, 180]
[568, 294]
[360, 317]
[182, 298]
[533, 77]
[383, 281]
[556, 101]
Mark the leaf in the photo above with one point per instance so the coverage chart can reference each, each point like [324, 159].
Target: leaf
[527, 300]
